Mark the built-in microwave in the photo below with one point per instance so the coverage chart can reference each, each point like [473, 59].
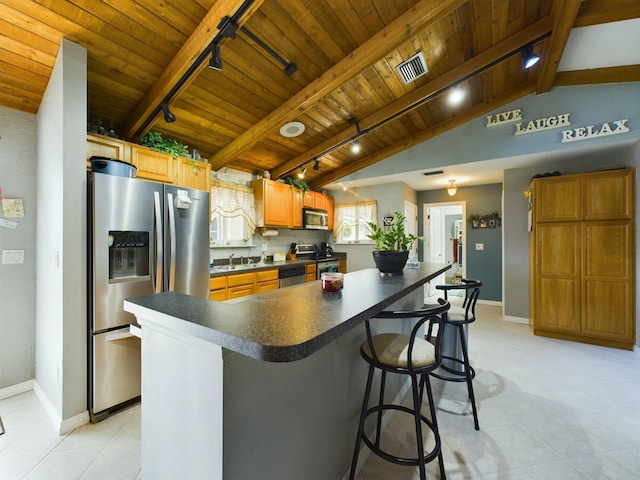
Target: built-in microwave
[315, 219]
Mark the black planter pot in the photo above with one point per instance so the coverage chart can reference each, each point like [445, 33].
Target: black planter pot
[390, 263]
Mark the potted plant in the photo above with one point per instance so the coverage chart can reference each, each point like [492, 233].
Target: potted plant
[392, 244]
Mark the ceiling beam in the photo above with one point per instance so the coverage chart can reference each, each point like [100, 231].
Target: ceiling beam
[404, 27]
[414, 98]
[427, 134]
[200, 39]
[593, 76]
[595, 12]
[564, 13]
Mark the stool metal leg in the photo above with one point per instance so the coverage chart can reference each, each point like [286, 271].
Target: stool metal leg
[363, 415]
[432, 409]
[383, 378]
[415, 390]
[469, 377]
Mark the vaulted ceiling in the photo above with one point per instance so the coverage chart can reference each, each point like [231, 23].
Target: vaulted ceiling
[330, 65]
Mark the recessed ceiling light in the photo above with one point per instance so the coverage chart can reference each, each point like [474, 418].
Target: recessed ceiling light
[292, 129]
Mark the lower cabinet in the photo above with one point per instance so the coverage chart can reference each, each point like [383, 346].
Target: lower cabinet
[310, 272]
[343, 265]
[236, 285]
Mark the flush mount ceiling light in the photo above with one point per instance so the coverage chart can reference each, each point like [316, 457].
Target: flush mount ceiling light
[168, 116]
[292, 129]
[456, 96]
[452, 189]
[216, 62]
[530, 58]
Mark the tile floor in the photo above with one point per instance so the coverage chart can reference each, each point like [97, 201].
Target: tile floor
[549, 409]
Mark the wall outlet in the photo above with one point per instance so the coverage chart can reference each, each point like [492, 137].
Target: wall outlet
[12, 256]
[479, 246]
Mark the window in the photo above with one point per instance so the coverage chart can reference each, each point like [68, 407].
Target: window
[352, 221]
[233, 214]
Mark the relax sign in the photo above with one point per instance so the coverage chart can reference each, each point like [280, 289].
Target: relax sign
[595, 131]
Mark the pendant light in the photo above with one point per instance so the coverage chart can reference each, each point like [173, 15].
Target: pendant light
[452, 189]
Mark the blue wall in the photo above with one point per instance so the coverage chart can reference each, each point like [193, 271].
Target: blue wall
[485, 265]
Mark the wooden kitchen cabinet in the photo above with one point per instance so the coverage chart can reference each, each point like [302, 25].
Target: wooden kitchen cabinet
[582, 258]
[151, 165]
[342, 262]
[273, 203]
[330, 206]
[310, 271]
[266, 280]
[315, 200]
[296, 208]
[218, 288]
[194, 174]
[240, 285]
[101, 146]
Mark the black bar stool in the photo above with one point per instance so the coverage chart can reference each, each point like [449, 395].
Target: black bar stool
[459, 318]
[405, 355]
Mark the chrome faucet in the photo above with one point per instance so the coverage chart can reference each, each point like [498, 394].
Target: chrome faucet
[231, 259]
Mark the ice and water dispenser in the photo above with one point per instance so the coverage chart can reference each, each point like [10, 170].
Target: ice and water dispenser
[128, 255]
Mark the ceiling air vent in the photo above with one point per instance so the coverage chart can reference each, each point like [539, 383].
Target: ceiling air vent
[413, 68]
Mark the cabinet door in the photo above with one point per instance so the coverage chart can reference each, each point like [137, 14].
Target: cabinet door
[194, 174]
[607, 276]
[100, 146]
[266, 286]
[330, 205]
[557, 199]
[309, 200]
[320, 200]
[310, 272]
[240, 291]
[558, 277]
[277, 204]
[153, 165]
[343, 265]
[296, 208]
[608, 195]
[218, 295]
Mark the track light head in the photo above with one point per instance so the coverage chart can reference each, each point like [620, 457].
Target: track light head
[530, 58]
[216, 62]
[355, 146]
[301, 173]
[168, 116]
[316, 164]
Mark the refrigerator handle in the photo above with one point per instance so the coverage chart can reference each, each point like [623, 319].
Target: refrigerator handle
[157, 210]
[172, 246]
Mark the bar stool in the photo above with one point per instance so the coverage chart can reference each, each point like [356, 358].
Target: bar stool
[404, 355]
[458, 318]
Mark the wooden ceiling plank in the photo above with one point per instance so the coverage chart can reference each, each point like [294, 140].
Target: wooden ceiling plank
[395, 34]
[423, 136]
[564, 14]
[595, 12]
[192, 48]
[412, 99]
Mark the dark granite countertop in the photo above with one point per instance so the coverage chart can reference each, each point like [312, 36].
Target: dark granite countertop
[221, 270]
[282, 325]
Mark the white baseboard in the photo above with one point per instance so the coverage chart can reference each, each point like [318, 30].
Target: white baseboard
[636, 350]
[16, 389]
[522, 320]
[61, 426]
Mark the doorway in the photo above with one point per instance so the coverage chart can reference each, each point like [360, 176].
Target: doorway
[444, 240]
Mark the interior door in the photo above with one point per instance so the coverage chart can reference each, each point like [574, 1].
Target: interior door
[411, 225]
[434, 248]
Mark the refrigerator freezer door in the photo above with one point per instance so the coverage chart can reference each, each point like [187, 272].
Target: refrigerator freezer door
[116, 369]
[120, 205]
[186, 246]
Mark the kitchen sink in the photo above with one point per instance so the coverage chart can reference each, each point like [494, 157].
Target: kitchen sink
[233, 268]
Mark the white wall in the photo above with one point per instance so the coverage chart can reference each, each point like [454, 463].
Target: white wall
[18, 282]
[61, 326]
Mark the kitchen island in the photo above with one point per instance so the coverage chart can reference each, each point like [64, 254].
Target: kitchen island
[267, 386]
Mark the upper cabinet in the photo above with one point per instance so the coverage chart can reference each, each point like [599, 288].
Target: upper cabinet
[296, 208]
[151, 165]
[608, 195]
[315, 200]
[557, 199]
[100, 146]
[330, 205]
[274, 202]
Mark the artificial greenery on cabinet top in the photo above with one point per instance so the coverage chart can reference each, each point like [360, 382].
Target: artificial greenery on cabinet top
[156, 142]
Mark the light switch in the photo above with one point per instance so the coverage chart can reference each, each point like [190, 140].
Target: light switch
[12, 256]
[479, 246]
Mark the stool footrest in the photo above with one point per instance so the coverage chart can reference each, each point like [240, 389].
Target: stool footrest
[428, 457]
[458, 376]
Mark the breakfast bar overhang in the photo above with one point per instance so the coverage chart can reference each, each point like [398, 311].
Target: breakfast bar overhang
[267, 386]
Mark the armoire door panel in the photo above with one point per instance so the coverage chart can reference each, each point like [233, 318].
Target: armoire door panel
[608, 195]
[607, 250]
[557, 199]
[557, 251]
[606, 310]
[558, 308]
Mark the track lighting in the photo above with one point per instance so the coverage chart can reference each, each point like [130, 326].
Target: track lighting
[456, 96]
[216, 62]
[355, 146]
[452, 189]
[168, 116]
[303, 170]
[316, 164]
[530, 58]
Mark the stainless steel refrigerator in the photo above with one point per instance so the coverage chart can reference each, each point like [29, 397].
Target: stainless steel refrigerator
[144, 237]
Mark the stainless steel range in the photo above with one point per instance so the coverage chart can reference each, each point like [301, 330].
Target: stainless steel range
[325, 261]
